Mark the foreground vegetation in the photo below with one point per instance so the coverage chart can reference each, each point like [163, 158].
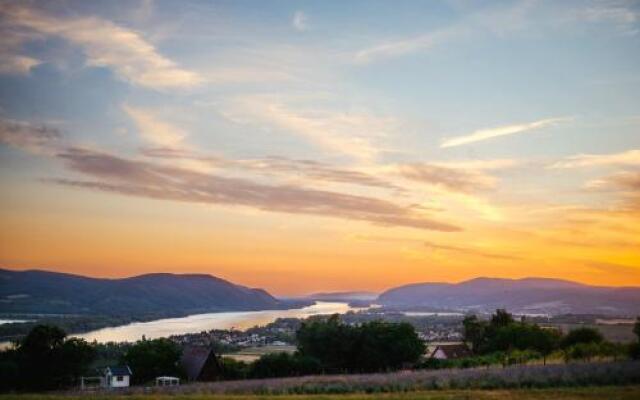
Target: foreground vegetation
[611, 393]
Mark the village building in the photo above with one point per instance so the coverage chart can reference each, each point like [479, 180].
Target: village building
[200, 364]
[451, 351]
[117, 376]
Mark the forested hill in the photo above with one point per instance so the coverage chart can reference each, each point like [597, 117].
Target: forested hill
[46, 292]
[529, 295]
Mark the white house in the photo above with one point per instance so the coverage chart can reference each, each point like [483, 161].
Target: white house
[117, 376]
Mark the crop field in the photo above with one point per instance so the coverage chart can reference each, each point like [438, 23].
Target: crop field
[607, 392]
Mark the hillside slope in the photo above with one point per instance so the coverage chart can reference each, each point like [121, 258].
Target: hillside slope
[529, 295]
[37, 291]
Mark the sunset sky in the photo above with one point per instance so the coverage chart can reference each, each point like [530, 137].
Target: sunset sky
[319, 146]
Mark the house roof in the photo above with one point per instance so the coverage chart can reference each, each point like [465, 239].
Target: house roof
[119, 370]
[460, 350]
[194, 359]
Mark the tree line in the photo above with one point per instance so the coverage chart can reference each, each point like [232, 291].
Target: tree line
[502, 339]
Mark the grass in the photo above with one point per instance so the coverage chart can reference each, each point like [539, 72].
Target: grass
[602, 392]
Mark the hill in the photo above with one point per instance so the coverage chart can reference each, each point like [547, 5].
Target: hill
[528, 295]
[46, 292]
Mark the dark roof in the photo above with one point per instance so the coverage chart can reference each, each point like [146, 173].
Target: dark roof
[454, 350]
[199, 363]
[119, 370]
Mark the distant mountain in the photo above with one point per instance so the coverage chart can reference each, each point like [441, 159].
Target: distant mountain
[529, 295]
[51, 292]
[343, 296]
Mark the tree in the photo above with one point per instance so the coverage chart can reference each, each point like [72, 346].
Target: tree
[46, 359]
[151, 358]
[331, 342]
[474, 331]
[634, 348]
[582, 335]
[387, 346]
[373, 346]
[501, 318]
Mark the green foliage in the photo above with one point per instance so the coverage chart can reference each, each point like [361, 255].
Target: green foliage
[234, 369]
[45, 359]
[474, 331]
[151, 358]
[503, 334]
[372, 346]
[636, 328]
[276, 365]
[582, 335]
[468, 362]
[501, 318]
[385, 346]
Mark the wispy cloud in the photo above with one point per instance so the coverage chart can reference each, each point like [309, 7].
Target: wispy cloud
[453, 179]
[468, 251]
[350, 133]
[625, 158]
[495, 21]
[13, 61]
[300, 21]
[26, 136]
[481, 165]
[144, 179]
[490, 133]
[395, 48]
[624, 16]
[154, 129]
[625, 181]
[106, 44]
[280, 166]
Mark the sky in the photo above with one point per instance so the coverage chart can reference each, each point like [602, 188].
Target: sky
[304, 146]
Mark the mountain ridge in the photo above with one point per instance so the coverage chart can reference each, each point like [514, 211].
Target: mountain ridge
[42, 291]
[544, 295]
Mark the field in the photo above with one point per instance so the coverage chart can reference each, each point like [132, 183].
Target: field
[610, 393]
[251, 354]
[617, 333]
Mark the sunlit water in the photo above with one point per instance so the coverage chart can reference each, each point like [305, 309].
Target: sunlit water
[13, 321]
[204, 322]
[431, 314]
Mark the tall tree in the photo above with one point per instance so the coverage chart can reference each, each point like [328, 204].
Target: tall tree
[47, 360]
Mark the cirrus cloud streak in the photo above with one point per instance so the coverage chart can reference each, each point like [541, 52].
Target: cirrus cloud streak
[114, 174]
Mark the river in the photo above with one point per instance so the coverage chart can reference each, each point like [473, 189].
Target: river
[204, 322]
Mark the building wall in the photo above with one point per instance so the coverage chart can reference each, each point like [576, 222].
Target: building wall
[116, 383]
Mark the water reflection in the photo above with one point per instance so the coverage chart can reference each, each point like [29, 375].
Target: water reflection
[205, 322]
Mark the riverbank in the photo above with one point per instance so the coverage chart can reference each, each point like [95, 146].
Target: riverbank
[131, 328]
